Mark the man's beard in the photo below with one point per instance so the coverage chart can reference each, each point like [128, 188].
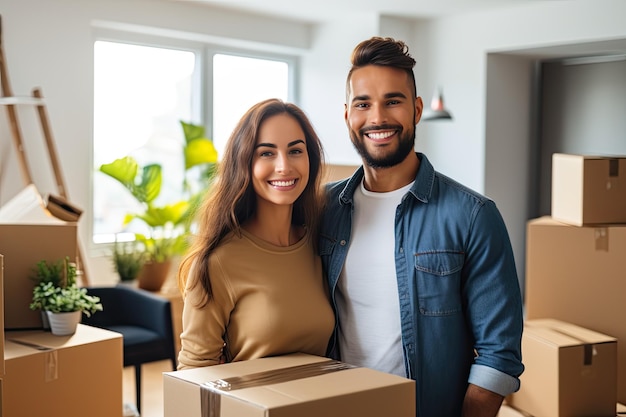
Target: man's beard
[405, 146]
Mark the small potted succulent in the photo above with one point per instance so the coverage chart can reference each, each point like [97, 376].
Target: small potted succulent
[60, 298]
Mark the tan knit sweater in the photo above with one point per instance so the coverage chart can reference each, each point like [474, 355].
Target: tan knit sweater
[268, 300]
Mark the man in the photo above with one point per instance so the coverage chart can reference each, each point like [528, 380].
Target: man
[420, 268]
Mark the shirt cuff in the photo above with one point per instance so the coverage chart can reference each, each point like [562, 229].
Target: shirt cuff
[493, 380]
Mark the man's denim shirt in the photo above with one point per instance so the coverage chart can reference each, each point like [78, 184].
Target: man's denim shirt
[460, 300]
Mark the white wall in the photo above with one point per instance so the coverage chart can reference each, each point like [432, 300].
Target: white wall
[324, 69]
[49, 43]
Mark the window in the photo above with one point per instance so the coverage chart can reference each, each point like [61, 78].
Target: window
[141, 93]
[238, 83]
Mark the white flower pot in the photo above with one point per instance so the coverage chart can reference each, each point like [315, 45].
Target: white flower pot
[63, 324]
[44, 320]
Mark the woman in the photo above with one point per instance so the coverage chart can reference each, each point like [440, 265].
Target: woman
[252, 282]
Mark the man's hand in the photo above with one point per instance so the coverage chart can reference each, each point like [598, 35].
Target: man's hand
[480, 402]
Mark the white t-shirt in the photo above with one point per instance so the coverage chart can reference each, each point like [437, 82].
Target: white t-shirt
[367, 292]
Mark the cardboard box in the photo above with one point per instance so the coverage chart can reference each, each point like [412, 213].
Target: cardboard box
[508, 411]
[1, 320]
[588, 190]
[570, 371]
[334, 172]
[23, 245]
[291, 385]
[576, 274]
[70, 376]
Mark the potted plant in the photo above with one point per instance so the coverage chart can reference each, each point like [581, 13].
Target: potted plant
[61, 299]
[169, 224]
[127, 260]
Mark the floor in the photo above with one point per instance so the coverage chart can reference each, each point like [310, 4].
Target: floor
[152, 388]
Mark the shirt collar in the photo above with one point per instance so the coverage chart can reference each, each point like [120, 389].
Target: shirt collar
[422, 187]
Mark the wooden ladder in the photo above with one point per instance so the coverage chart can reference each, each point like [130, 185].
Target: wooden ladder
[59, 206]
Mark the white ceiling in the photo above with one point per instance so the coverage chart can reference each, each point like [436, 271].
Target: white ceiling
[315, 11]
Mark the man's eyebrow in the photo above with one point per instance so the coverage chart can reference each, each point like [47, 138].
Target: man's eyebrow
[393, 94]
[361, 98]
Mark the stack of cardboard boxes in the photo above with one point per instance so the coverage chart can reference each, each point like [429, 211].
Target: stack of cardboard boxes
[42, 374]
[576, 276]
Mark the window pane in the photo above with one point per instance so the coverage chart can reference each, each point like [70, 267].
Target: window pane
[238, 83]
[140, 95]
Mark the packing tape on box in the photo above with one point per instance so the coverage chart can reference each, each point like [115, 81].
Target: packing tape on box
[212, 391]
[602, 239]
[51, 359]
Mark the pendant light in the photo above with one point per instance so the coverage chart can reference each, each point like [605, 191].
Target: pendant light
[437, 111]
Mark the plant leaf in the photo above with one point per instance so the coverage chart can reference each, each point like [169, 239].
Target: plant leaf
[161, 216]
[200, 151]
[150, 186]
[123, 169]
[192, 131]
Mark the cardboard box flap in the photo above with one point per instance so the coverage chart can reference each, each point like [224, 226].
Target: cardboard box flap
[17, 349]
[294, 385]
[276, 376]
[578, 157]
[27, 207]
[563, 334]
[213, 373]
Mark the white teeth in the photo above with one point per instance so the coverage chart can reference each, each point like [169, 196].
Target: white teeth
[380, 135]
[283, 183]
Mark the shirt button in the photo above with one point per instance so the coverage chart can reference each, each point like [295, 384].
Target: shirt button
[401, 250]
[342, 242]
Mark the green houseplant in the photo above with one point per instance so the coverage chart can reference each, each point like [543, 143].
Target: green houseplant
[127, 260]
[168, 224]
[59, 297]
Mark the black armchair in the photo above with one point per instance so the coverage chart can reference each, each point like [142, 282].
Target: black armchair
[145, 321]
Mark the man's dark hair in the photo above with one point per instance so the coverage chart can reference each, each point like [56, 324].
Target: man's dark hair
[386, 52]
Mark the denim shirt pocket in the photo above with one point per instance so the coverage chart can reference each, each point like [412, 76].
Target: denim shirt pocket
[438, 280]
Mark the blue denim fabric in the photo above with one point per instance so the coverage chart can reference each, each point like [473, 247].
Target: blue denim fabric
[460, 300]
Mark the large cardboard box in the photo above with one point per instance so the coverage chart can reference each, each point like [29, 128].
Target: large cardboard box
[588, 190]
[291, 385]
[23, 245]
[1, 320]
[577, 274]
[70, 376]
[570, 371]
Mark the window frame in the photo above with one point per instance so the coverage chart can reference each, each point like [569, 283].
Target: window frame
[202, 81]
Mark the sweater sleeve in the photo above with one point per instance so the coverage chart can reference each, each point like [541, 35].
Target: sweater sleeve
[204, 323]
